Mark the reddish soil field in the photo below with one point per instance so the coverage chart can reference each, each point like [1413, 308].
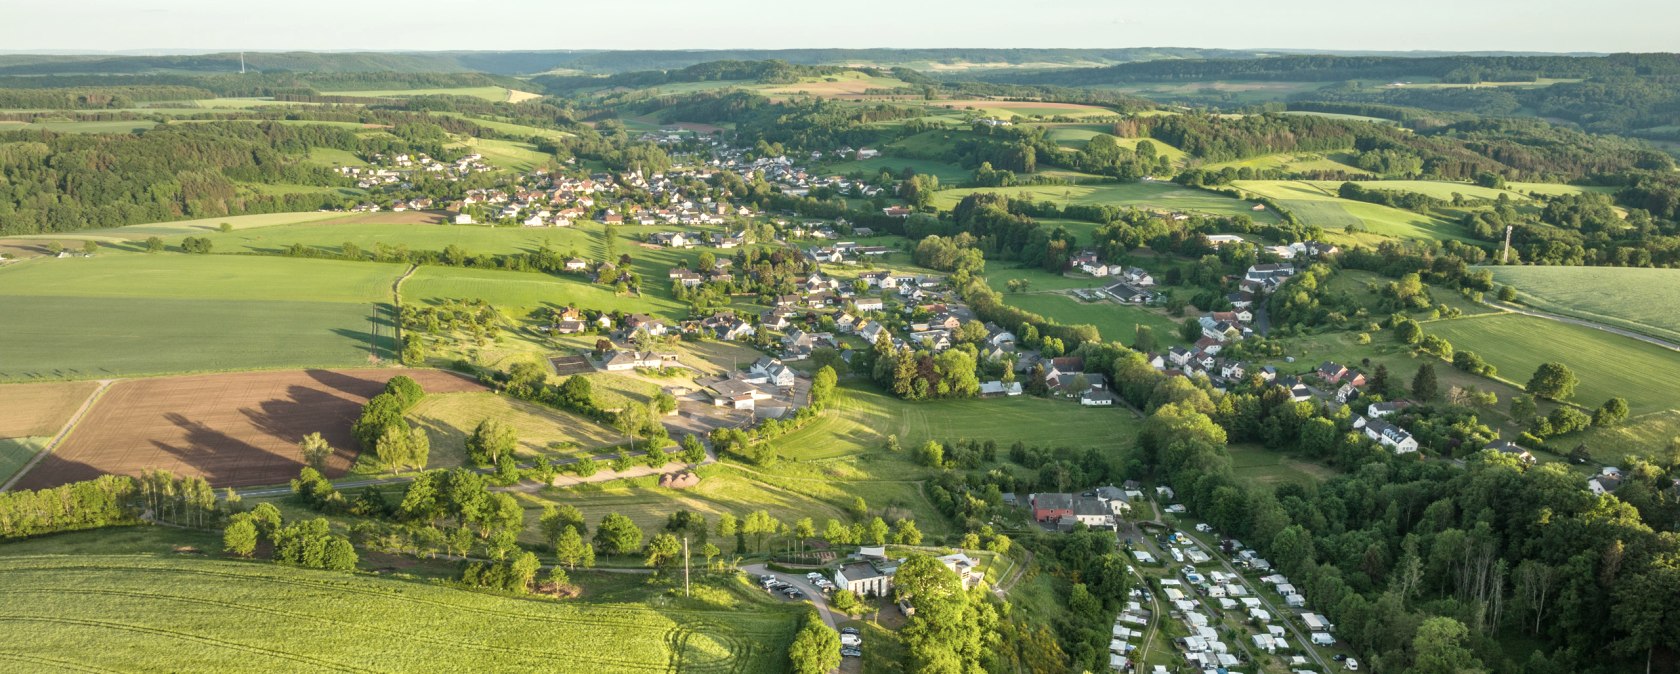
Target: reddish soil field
[235, 430]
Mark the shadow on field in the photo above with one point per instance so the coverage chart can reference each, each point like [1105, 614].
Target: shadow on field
[343, 383]
[220, 458]
[307, 410]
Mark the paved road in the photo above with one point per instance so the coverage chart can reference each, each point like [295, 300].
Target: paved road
[1586, 324]
[812, 592]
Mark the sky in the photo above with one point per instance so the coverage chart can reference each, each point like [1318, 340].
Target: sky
[453, 25]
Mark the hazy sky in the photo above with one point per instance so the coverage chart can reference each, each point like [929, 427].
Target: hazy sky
[423, 25]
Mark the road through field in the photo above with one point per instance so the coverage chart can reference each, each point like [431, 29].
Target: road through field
[68, 425]
[1587, 324]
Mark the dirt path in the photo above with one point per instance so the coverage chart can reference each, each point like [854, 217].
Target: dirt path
[63, 433]
[1585, 324]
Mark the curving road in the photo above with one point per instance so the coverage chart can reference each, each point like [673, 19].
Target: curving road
[811, 591]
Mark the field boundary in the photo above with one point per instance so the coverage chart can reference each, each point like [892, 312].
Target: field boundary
[1589, 320]
[104, 385]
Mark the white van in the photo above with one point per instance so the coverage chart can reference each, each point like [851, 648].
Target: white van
[1323, 639]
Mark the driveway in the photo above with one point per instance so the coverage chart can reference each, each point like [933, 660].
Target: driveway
[811, 591]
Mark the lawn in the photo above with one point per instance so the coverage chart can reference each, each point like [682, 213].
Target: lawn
[543, 431]
[187, 613]
[1607, 364]
[1116, 322]
[1148, 195]
[1622, 297]
[132, 314]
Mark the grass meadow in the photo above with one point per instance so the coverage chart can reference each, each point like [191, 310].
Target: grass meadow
[132, 314]
[186, 613]
[1608, 365]
[1149, 195]
[1622, 297]
[543, 431]
[948, 174]
[1316, 203]
[1116, 322]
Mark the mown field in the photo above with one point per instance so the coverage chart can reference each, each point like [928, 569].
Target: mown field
[1116, 322]
[543, 431]
[1625, 297]
[192, 614]
[1607, 364]
[520, 292]
[1147, 195]
[1263, 467]
[1316, 203]
[948, 174]
[122, 314]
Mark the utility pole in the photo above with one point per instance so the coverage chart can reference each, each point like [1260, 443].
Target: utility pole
[685, 566]
[1505, 257]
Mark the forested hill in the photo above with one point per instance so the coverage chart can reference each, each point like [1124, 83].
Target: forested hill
[1328, 68]
[590, 62]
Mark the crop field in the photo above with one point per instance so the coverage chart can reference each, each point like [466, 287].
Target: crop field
[851, 83]
[176, 228]
[1341, 116]
[40, 409]
[1621, 297]
[15, 453]
[543, 431]
[1116, 322]
[1078, 135]
[233, 429]
[68, 126]
[1378, 220]
[1607, 364]
[173, 614]
[1556, 188]
[948, 174]
[1240, 91]
[1147, 195]
[129, 314]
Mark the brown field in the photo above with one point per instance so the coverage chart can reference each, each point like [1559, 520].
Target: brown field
[40, 410]
[235, 430]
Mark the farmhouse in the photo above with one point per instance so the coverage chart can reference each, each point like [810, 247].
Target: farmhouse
[1512, 449]
[774, 372]
[866, 578]
[619, 361]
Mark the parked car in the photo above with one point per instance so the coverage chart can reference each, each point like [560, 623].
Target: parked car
[849, 630]
[851, 652]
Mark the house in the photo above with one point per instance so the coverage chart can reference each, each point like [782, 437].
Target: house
[774, 371]
[866, 578]
[687, 278]
[896, 211]
[1387, 435]
[619, 361]
[1384, 409]
[1126, 293]
[1606, 481]
[1051, 507]
[1241, 299]
[644, 323]
[967, 570]
[1096, 397]
[463, 219]
[1509, 448]
[1217, 240]
[577, 264]
[734, 393]
[1000, 388]
[1137, 277]
[870, 304]
[1330, 372]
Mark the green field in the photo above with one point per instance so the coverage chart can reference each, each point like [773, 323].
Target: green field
[15, 452]
[1307, 161]
[948, 174]
[1148, 195]
[543, 431]
[174, 613]
[1607, 364]
[67, 126]
[865, 416]
[1116, 322]
[508, 154]
[1340, 116]
[1316, 203]
[183, 227]
[131, 314]
[1621, 297]
[1269, 468]
[1078, 135]
[493, 94]
[522, 291]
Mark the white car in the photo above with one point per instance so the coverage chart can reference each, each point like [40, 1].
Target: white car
[1351, 665]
